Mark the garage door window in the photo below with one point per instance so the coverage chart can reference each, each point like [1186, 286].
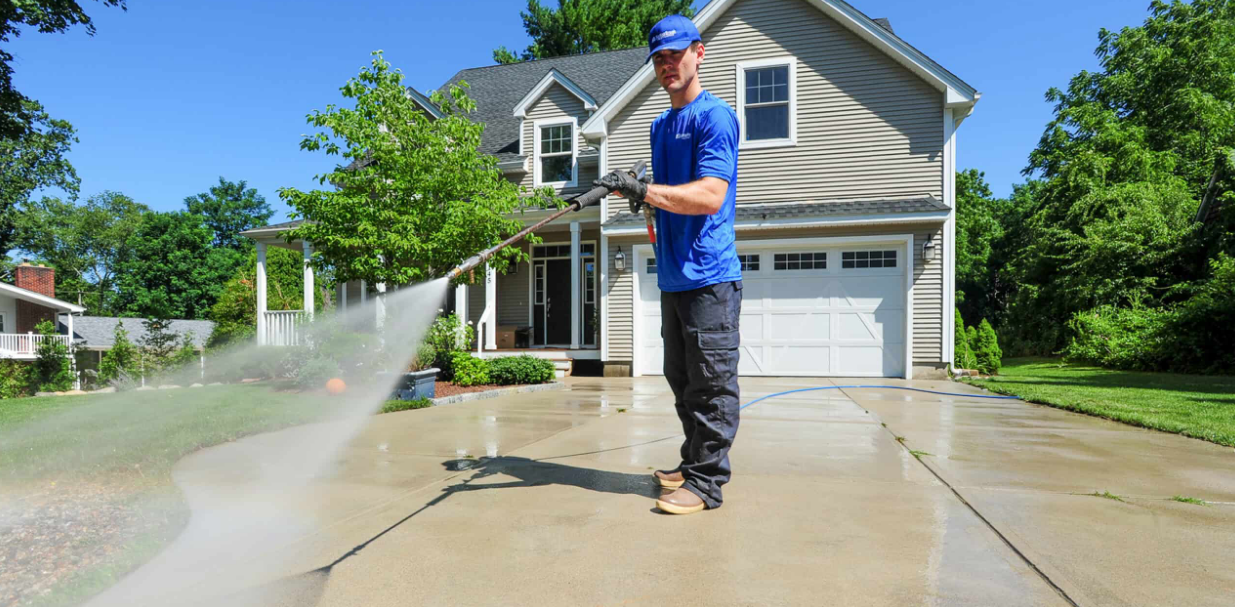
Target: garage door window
[800, 261]
[750, 263]
[651, 267]
[868, 259]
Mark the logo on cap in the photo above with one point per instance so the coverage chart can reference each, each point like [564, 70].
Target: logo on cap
[665, 35]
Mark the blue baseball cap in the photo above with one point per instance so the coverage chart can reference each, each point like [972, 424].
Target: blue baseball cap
[674, 32]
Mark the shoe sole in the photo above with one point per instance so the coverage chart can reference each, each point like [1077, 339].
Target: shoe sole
[674, 509]
[668, 484]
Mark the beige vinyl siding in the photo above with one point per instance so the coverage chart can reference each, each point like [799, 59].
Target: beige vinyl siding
[556, 102]
[513, 294]
[927, 286]
[867, 128]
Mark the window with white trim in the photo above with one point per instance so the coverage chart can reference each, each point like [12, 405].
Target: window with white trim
[800, 261]
[767, 102]
[867, 259]
[750, 263]
[539, 287]
[555, 154]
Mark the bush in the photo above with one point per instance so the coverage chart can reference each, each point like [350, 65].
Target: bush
[314, 373]
[392, 406]
[964, 358]
[121, 361]
[469, 370]
[986, 349]
[425, 356]
[53, 371]
[14, 379]
[448, 336]
[524, 369]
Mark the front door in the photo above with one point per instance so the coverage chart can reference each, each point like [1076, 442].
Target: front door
[557, 302]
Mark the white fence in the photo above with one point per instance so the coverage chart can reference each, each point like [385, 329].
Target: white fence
[282, 327]
[25, 345]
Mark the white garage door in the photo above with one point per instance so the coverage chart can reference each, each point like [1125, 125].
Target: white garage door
[806, 311]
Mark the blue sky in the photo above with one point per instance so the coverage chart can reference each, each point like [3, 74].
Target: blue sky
[168, 96]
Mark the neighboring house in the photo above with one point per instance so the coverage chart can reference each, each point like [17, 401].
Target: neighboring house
[26, 303]
[846, 201]
[94, 335]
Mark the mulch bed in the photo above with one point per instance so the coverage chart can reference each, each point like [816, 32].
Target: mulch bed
[442, 388]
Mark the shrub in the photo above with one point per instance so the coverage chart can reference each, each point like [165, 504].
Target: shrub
[315, 372]
[392, 406]
[53, 371]
[1120, 338]
[986, 350]
[122, 360]
[524, 369]
[448, 336]
[469, 370]
[14, 379]
[425, 356]
[964, 358]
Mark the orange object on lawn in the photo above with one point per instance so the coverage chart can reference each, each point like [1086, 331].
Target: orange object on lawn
[335, 386]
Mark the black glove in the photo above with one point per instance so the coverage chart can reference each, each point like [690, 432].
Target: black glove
[625, 184]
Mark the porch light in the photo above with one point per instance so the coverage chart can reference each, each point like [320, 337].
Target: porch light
[928, 248]
[619, 260]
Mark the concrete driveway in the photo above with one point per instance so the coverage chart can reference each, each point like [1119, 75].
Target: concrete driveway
[547, 499]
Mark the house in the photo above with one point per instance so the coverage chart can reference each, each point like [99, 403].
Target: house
[95, 335]
[846, 196]
[31, 299]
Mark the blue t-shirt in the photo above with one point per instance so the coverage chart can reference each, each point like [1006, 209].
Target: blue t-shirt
[690, 143]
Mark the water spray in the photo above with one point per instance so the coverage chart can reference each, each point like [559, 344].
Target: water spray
[579, 202]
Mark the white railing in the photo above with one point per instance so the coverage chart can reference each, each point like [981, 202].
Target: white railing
[25, 345]
[282, 327]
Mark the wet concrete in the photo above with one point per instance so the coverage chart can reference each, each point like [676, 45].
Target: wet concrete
[547, 499]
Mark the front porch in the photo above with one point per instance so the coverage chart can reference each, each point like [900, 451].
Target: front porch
[25, 346]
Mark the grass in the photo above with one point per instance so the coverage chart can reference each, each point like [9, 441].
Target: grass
[1107, 495]
[1198, 406]
[393, 406]
[1190, 500]
[920, 454]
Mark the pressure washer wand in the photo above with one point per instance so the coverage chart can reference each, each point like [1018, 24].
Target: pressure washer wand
[582, 201]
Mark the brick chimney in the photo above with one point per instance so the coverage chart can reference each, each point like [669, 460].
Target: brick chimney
[40, 279]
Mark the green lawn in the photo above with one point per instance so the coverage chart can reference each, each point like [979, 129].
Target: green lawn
[1193, 405]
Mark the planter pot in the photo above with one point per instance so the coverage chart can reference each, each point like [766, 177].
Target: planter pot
[415, 384]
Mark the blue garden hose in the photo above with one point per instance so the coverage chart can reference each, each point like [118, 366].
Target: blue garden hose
[762, 398]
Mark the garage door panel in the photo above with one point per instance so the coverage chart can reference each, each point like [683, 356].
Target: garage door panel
[861, 360]
[870, 292]
[751, 327]
[789, 326]
[858, 327]
[798, 360]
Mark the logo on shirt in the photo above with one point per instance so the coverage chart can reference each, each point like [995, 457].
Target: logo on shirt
[682, 136]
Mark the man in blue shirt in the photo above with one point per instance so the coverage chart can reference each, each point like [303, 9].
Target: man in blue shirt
[695, 165]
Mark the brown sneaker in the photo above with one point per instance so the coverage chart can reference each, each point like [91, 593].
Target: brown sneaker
[681, 501]
[669, 480]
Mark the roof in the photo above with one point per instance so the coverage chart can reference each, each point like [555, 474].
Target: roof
[39, 298]
[99, 331]
[497, 89]
[808, 210]
[274, 227]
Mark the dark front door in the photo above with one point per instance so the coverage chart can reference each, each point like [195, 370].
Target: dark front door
[557, 302]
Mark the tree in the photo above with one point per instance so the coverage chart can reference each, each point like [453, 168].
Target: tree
[53, 371]
[418, 199]
[172, 270]
[32, 160]
[121, 360]
[977, 227]
[964, 352]
[235, 313]
[158, 345]
[85, 244]
[586, 26]
[229, 209]
[986, 349]
[17, 114]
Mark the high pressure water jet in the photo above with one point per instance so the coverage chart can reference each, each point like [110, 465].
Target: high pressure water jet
[582, 201]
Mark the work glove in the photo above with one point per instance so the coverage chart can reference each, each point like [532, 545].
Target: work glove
[625, 184]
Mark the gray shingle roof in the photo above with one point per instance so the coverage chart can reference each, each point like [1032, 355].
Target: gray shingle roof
[497, 89]
[286, 225]
[99, 331]
[808, 210]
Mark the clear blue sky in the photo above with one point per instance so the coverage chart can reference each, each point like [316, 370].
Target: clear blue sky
[168, 96]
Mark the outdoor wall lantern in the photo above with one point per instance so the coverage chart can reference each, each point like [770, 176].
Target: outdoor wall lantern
[928, 248]
[619, 260]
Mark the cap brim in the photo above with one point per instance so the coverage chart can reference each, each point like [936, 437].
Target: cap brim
[672, 45]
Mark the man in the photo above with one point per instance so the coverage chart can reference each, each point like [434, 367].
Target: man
[694, 162]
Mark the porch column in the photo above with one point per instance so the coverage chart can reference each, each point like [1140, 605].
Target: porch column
[364, 293]
[380, 304]
[576, 309]
[308, 279]
[342, 296]
[261, 293]
[461, 305]
[490, 308]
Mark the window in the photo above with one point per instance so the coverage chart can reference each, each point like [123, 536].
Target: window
[767, 100]
[539, 275]
[651, 267]
[589, 283]
[750, 263]
[800, 261]
[868, 259]
[555, 153]
[542, 251]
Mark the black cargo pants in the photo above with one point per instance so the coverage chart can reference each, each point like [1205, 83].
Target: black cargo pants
[700, 331]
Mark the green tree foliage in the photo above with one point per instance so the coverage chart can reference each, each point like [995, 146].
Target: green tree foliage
[14, 378]
[576, 27]
[122, 361]
[977, 228]
[986, 349]
[964, 353]
[33, 157]
[235, 312]
[419, 197]
[52, 370]
[229, 209]
[172, 270]
[85, 243]
[158, 345]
